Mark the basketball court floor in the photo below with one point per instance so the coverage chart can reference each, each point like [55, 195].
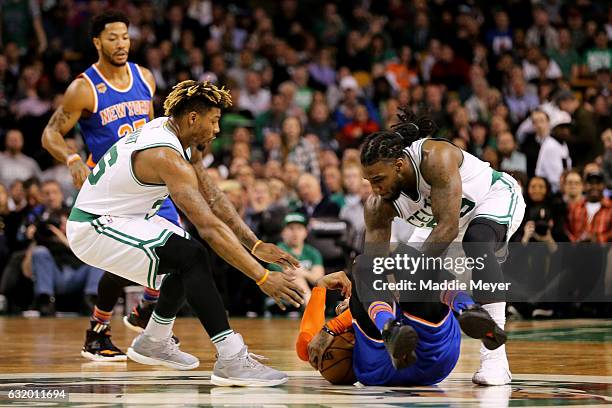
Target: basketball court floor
[563, 363]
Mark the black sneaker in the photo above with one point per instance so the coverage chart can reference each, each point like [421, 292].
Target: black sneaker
[139, 317]
[400, 341]
[98, 345]
[477, 323]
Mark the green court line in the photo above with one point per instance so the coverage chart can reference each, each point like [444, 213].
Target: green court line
[592, 333]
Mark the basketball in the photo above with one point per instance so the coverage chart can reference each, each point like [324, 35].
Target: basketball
[337, 367]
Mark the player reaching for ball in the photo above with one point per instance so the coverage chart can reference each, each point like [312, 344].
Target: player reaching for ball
[109, 100]
[110, 227]
[433, 184]
[433, 348]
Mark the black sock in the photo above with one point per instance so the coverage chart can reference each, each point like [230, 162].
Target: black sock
[187, 261]
[110, 288]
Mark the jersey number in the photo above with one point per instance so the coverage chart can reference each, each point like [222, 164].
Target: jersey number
[126, 128]
[108, 159]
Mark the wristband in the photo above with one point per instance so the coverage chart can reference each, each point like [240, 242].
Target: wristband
[259, 241]
[72, 158]
[264, 278]
[328, 331]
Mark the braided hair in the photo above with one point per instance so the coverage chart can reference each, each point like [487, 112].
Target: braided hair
[193, 95]
[389, 144]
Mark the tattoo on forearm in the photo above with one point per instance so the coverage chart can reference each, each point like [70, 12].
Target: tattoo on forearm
[223, 208]
[59, 119]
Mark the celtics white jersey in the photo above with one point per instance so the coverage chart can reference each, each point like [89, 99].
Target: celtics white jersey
[479, 192]
[112, 187]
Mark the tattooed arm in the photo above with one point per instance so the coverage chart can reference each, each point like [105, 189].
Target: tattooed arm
[78, 97]
[223, 208]
[166, 165]
[440, 169]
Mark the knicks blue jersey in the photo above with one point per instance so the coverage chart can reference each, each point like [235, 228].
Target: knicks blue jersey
[437, 354]
[117, 113]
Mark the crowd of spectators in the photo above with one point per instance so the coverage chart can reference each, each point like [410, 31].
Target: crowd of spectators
[522, 84]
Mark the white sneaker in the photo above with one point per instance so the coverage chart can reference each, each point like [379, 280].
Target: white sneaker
[145, 350]
[494, 368]
[244, 370]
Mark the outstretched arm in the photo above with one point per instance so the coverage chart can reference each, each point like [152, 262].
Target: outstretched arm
[223, 208]
[182, 182]
[441, 170]
[78, 97]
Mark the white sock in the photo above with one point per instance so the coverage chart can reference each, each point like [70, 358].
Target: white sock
[498, 314]
[228, 343]
[159, 328]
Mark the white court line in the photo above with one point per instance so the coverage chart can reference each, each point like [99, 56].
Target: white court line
[308, 374]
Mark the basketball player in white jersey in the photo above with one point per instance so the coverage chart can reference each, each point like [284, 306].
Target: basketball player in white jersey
[433, 184]
[109, 99]
[111, 227]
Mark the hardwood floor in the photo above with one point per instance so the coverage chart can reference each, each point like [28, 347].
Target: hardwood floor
[553, 363]
[53, 345]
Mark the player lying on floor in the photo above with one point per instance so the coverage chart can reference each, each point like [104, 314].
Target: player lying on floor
[433, 349]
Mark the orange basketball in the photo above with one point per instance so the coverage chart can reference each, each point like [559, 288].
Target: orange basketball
[337, 366]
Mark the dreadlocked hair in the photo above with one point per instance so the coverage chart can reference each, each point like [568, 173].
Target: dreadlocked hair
[389, 144]
[193, 95]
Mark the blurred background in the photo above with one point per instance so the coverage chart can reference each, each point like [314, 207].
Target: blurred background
[310, 80]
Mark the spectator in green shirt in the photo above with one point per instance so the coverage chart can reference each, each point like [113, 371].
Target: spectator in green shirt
[294, 236]
[566, 55]
[600, 56]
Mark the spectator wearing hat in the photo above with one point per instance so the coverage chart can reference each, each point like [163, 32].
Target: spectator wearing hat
[554, 157]
[346, 110]
[561, 109]
[590, 219]
[294, 236]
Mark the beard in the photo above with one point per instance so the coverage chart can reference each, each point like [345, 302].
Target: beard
[117, 64]
[395, 194]
[109, 58]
